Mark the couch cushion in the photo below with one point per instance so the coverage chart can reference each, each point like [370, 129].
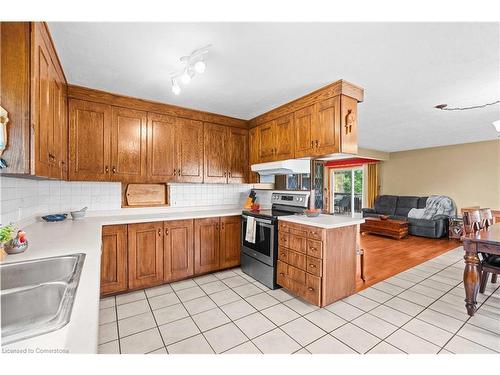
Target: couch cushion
[422, 201]
[405, 204]
[422, 222]
[370, 214]
[386, 204]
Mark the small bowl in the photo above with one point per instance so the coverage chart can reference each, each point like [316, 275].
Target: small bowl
[312, 213]
[76, 215]
[55, 217]
[383, 217]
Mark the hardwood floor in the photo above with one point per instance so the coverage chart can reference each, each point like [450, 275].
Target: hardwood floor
[386, 257]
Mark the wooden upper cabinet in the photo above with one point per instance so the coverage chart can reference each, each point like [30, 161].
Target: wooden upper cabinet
[42, 104]
[305, 121]
[47, 101]
[238, 155]
[283, 138]
[178, 254]
[145, 254]
[114, 259]
[253, 146]
[349, 125]
[89, 141]
[230, 241]
[326, 135]
[161, 150]
[206, 245]
[266, 142]
[214, 153]
[189, 149]
[128, 145]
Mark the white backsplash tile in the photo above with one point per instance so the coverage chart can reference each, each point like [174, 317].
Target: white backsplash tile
[22, 198]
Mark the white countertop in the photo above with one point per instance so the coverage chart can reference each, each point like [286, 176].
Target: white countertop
[323, 221]
[84, 236]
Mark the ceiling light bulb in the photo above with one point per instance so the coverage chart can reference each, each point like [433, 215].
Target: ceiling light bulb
[496, 124]
[200, 66]
[176, 89]
[185, 77]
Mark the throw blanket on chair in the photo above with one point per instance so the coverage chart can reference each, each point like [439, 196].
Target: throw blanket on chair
[436, 205]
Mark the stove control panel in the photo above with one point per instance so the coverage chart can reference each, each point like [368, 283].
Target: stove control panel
[291, 199]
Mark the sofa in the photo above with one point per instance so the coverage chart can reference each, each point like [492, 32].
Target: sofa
[397, 207]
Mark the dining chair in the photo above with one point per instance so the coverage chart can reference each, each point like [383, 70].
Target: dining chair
[489, 264]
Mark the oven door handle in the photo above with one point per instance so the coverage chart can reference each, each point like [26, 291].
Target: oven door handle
[260, 221]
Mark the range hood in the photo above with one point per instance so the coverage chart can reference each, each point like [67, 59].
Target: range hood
[292, 166]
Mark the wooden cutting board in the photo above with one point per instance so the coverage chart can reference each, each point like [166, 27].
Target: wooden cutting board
[146, 194]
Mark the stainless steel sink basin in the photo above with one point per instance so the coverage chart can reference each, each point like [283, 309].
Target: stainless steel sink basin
[37, 296]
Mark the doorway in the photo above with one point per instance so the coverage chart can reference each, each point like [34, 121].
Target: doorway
[347, 191]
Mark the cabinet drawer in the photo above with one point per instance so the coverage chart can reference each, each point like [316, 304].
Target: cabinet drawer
[283, 227]
[297, 275]
[298, 230]
[314, 266]
[283, 239]
[315, 233]
[297, 243]
[315, 248]
[283, 254]
[297, 260]
[282, 274]
[312, 291]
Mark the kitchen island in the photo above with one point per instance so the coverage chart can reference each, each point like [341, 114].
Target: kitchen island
[317, 256]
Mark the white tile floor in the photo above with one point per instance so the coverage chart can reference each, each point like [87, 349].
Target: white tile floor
[420, 310]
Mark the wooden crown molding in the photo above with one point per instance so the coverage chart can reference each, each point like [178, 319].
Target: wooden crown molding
[339, 87]
[85, 93]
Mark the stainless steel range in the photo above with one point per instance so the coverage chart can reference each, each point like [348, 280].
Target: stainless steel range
[258, 258]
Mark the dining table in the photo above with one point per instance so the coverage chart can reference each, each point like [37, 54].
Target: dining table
[486, 241]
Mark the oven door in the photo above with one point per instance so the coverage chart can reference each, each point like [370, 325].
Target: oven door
[265, 240]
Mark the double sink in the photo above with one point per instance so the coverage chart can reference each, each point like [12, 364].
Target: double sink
[37, 296]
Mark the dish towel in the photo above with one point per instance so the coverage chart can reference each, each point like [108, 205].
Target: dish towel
[251, 227]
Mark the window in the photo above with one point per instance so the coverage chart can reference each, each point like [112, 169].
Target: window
[298, 181]
[347, 191]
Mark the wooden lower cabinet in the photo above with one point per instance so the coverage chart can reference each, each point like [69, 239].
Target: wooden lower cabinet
[142, 255]
[178, 254]
[145, 254]
[230, 241]
[318, 265]
[206, 245]
[114, 259]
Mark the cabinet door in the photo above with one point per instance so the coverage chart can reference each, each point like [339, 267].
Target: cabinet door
[238, 155]
[161, 151]
[145, 254]
[189, 142]
[206, 245]
[128, 145]
[266, 141]
[178, 253]
[89, 141]
[42, 114]
[326, 135]
[215, 153]
[304, 122]
[114, 259]
[58, 124]
[283, 136]
[253, 145]
[230, 241]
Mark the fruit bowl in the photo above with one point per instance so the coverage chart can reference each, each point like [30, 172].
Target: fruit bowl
[383, 217]
[312, 213]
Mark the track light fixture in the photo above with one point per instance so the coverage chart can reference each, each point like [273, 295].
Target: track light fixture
[194, 63]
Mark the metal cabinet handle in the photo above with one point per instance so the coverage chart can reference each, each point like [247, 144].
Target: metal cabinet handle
[114, 169]
[312, 265]
[312, 248]
[310, 289]
[178, 172]
[175, 171]
[166, 231]
[282, 274]
[229, 173]
[106, 169]
[312, 144]
[317, 143]
[283, 254]
[159, 232]
[217, 226]
[222, 226]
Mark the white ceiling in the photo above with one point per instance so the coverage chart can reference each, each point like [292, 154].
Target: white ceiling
[405, 68]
